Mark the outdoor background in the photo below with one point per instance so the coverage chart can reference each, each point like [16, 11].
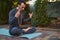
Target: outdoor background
[43, 11]
[46, 18]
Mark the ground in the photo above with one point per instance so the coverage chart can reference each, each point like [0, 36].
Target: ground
[47, 34]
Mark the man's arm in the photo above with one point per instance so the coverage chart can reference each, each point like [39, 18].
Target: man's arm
[28, 19]
[13, 19]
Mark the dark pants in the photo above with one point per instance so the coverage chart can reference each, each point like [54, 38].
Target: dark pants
[17, 31]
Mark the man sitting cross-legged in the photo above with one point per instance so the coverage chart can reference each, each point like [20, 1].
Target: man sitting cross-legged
[14, 14]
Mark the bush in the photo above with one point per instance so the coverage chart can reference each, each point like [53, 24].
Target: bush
[39, 15]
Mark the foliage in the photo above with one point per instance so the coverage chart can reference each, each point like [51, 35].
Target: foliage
[4, 9]
[39, 15]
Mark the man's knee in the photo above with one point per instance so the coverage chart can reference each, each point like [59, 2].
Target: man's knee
[32, 30]
[15, 31]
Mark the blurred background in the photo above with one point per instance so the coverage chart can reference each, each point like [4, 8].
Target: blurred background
[43, 11]
[46, 17]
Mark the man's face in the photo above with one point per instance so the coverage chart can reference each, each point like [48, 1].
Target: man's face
[22, 6]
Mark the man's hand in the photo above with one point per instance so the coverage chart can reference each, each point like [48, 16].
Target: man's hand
[30, 15]
[17, 13]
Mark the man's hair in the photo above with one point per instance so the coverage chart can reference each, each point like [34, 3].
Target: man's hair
[21, 1]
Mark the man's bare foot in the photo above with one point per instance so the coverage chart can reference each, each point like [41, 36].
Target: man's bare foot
[25, 30]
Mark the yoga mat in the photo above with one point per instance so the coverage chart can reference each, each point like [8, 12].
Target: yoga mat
[4, 31]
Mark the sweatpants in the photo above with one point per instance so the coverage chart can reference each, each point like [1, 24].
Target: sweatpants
[15, 31]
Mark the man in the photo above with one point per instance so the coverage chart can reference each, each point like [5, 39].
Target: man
[14, 14]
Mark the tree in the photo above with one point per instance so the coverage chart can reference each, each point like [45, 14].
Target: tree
[4, 9]
[39, 15]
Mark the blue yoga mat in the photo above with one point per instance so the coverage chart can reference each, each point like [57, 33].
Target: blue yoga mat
[4, 31]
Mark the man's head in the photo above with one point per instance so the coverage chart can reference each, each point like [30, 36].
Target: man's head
[21, 4]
